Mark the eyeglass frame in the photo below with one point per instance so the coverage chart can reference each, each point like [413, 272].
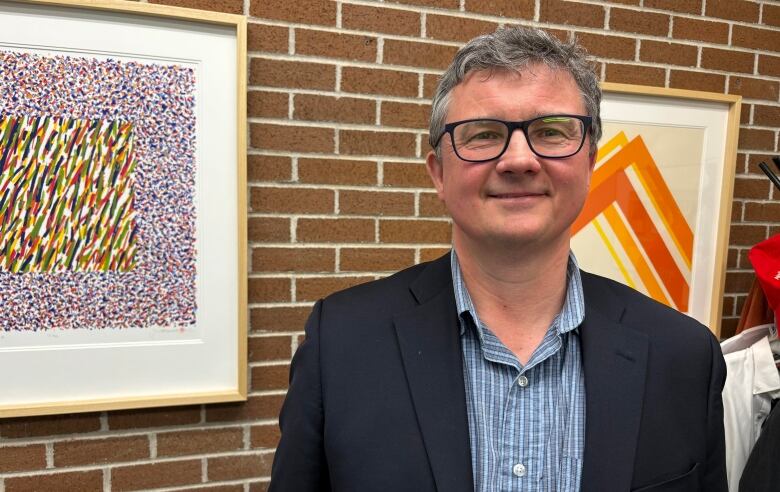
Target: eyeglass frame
[587, 121]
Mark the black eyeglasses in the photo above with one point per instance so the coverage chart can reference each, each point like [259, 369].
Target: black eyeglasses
[554, 136]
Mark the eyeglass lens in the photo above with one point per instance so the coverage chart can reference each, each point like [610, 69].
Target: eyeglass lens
[553, 136]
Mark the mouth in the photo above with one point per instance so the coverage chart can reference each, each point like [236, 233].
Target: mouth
[515, 195]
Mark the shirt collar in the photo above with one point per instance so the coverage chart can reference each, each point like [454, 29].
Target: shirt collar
[570, 317]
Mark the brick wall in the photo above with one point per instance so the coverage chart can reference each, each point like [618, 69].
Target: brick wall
[339, 95]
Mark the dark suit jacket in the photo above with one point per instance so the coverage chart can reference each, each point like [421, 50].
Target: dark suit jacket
[377, 401]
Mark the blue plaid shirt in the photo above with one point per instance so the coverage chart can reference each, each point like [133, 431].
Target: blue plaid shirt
[526, 423]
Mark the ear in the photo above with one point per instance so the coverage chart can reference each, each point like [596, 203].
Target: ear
[435, 169]
[592, 158]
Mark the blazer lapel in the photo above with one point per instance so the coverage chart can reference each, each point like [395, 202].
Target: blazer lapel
[430, 347]
[615, 363]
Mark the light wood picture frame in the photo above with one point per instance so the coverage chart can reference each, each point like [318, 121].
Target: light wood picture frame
[659, 211]
[123, 243]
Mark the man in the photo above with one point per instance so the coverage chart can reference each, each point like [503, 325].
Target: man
[501, 366]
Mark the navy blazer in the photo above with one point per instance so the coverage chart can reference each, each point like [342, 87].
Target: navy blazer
[377, 401]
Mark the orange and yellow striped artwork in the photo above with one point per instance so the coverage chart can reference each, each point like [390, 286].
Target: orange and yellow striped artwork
[644, 233]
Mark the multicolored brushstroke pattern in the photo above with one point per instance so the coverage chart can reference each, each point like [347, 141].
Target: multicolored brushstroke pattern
[135, 264]
[66, 195]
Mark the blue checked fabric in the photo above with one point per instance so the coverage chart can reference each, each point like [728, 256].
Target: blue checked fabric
[526, 423]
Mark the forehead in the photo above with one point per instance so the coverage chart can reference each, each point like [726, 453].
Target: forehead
[532, 91]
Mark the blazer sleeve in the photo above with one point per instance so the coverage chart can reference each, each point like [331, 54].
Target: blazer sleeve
[715, 471]
[299, 463]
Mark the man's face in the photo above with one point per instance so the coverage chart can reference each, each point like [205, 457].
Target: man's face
[518, 199]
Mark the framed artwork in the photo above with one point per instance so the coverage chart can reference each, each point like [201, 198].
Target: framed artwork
[658, 214]
[122, 206]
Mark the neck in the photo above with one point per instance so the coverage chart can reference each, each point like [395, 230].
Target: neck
[517, 291]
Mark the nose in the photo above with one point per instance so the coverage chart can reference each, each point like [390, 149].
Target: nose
[518, 156]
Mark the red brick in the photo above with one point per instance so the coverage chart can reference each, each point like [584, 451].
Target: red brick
[514, 9]
[751, 188]
[384, 20]
[727, 60]
[762, 212]
[769, 65]
[208, 441]
[430, 254]
[326, 108]
[697, 81]
[751, 139]
[732, 259]
[754, 88]
[759, 39]
[291, 138]
[155, 475]
[268, 168]
[291, 200]
[431, 206]
[376, 81]
[270, 377]
[313, 288]
[651, 23]
[153, 417]
[728, 306]
[264, 436]
[736, 211]
[451, 28]
[417, 54]
[272, 319]
[685, 6]
[335, 45]
[357, 142]
[292, 74]
[317, 12]
[571, 13]
[771, 15]
[269, 289]
[738, 282]
[405, 115]
[22, 458]
[414, 231]
[375, 259]
[766, 115]
[669, 53]
[738, 10]
[700, 30]
[744, 114]
[79, 423]
[608, 46]
[728, 327]
[274, 39]
[255, 408]
[430, 84]
[265, 104]
[268, 229]
[337, 171]
[635, 74]
[259, 486]
[269, 348]
[405, 175]
[239, 467]
[746, 235]
[335, 230]
[80, 481]
[375, 203]
[226, 6]
[100, 451]
[445, 4]
[293, 259]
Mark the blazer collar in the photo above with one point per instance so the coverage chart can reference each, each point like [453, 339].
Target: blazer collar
[429, 339]
[615, 364]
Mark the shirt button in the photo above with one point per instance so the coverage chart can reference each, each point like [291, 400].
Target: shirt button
[522, 381]
[519, 470]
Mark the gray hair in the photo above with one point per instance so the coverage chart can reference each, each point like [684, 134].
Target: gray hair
[514, 48]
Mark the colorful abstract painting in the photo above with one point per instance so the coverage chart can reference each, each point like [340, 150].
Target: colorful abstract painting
[636, 224]
[97, 193]
[66, 195]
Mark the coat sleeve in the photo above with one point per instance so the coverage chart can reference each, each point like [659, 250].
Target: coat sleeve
[715, 472]
[299, 463]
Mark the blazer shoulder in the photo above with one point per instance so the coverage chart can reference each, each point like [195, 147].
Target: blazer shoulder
[640, 311]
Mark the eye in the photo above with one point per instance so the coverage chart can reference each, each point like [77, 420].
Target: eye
[485, 135]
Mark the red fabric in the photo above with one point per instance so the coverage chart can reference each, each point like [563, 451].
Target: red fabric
[765, 257]
[756, 310]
